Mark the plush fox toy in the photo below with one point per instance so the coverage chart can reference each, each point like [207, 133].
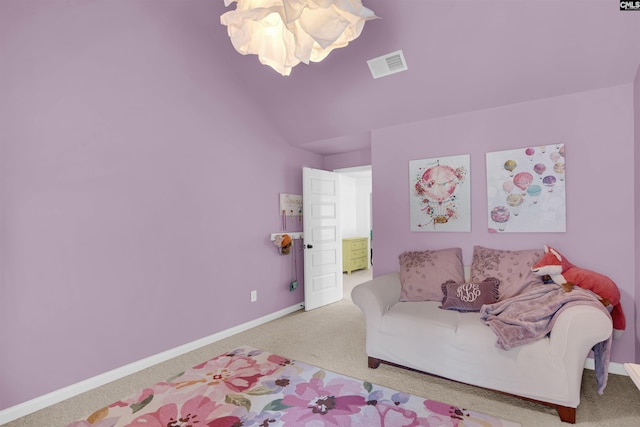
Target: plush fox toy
[563, 273]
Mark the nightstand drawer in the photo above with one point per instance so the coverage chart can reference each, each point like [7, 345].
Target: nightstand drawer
[359, 244]
[360, 253]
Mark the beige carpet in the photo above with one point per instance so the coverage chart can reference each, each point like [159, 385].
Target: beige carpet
[332, 337]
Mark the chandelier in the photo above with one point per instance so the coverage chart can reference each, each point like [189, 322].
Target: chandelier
[284, 33]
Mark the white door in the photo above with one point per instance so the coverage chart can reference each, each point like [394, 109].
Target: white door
[322, 238]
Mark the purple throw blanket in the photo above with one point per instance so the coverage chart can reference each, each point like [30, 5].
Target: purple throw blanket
[531, 315]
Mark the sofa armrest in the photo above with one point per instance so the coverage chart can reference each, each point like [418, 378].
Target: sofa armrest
[376, 296]
[578, 329]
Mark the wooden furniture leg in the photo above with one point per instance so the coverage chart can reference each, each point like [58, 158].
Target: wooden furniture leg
[373, 362]
[567, 414]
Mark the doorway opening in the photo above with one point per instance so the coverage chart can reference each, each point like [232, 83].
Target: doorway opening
[356, 219]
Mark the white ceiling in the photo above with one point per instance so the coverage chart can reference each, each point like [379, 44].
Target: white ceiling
[463, 55]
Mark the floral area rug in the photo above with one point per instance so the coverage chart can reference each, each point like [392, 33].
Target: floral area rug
[250, 387]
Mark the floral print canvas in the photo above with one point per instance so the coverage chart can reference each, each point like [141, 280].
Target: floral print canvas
[250, 387]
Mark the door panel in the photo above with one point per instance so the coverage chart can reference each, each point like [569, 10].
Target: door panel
[322, 239]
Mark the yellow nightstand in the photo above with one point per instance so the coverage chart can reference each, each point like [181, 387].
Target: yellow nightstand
[354, 254]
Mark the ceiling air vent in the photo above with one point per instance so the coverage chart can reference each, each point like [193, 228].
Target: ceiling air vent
[385, 65]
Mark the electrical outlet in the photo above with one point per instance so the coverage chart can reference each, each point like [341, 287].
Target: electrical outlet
[254, 296]
[293, 286]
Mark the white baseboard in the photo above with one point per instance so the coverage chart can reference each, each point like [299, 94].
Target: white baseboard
[57, 396]
[614, 367]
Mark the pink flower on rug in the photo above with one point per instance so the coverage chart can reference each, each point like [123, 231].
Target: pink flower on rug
[453, 412]
[198, 410]
[388, 414]
[279, 360]
[331, 404]
[238, 373]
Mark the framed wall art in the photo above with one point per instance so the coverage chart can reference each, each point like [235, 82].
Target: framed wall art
[440, 195]
[526, 189]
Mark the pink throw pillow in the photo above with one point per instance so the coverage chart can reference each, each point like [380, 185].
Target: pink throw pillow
[422, 273]
[512, 268]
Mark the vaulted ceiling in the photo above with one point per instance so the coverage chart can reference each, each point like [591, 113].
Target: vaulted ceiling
[462, 55]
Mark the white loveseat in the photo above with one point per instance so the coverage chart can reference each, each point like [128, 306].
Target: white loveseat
[461, 347]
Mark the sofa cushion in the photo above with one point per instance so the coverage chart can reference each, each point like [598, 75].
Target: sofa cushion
[470, 296]
[422, 273]
[420, 318]
[512, 268]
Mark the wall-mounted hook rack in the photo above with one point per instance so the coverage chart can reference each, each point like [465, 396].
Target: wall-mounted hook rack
[294, 235]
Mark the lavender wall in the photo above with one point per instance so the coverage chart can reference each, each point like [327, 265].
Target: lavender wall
[347, 160]
[598, 130]
[136, 207]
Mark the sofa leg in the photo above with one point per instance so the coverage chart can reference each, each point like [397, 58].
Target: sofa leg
[373, 362]
[567, 414]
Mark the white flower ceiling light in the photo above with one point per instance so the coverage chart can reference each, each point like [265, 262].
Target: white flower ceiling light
[284, 33]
